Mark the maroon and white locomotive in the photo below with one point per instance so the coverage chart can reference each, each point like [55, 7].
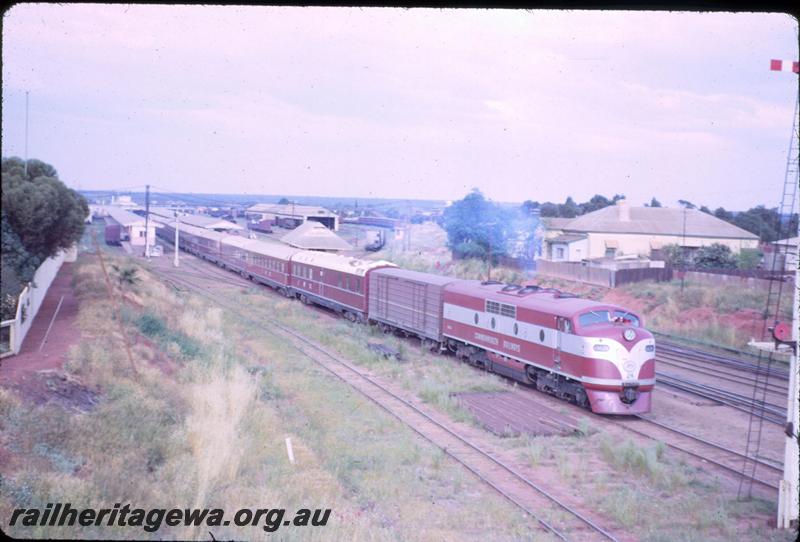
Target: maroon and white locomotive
[591, 353]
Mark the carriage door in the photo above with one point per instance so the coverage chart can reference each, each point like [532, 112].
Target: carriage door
[561, 327]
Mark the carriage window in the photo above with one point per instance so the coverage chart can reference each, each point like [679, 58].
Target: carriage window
[358, 285]
[594, 317]
[624, 317]
[347, 283]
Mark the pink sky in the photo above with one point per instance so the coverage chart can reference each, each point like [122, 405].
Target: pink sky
[416, 103]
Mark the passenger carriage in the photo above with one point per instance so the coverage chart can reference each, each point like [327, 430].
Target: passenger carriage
[262, 261]
[337, 282]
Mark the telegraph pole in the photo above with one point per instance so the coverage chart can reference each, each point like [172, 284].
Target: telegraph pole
[177, 227]
[683, 249]
[26, 134]
[147, 222]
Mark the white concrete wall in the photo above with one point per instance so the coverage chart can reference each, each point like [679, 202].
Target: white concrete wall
[641, 244]
[30, 301]
[137, 235]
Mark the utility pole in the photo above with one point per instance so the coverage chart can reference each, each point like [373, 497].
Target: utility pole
[26, 134]
[147, 222]
[683, 249]
[177, 227]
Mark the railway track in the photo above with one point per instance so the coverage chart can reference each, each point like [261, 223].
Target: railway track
[694, 355]
[475, 459]
[773, 384]
[767, 411]
[503, 478]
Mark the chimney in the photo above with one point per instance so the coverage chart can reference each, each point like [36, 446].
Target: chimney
[623, 211]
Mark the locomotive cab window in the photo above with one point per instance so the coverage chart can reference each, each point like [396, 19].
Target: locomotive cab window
[625, 317]
[592, 318]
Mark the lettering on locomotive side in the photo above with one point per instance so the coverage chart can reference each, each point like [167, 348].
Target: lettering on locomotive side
[486, 338]
[508, 345]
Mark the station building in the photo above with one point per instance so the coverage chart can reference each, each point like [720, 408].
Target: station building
[293, 214]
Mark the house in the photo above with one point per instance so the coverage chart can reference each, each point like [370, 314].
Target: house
[784, 251]
[624, 231]
[293, 214]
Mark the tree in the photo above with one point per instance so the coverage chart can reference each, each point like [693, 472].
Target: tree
[687, 204]
[674, 255]
[722, 214]
[127, 277]
[706, 210]
[528, 207]
[749, 258]
[474, 225]
[597, 202]
[45, 214]
[284, 201]
[549, 209]
[654, 203]
[569, 209]
[714, 256]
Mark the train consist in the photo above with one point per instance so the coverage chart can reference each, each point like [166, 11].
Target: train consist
[594, 354]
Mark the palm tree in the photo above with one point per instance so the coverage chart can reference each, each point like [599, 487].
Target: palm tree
[126, 276]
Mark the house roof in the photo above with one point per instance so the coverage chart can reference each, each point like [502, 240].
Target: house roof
[567, 238]
[290, 210]
[125, 218]
[555, 223]
[791, 242]
[657, 221]
[199, 221]
[313, 235]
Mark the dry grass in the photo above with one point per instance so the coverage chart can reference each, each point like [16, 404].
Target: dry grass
[213, 435]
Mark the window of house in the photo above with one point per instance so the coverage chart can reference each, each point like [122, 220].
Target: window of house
[560, 253]
[611, 252]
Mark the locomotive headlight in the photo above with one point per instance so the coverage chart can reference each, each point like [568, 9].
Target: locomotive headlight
[600, 348]
[629, 334]
[650, 348]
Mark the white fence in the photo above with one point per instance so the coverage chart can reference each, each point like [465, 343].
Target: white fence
[30, 300]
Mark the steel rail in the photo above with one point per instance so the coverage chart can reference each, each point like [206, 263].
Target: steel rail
[773, 466]
[714, 462]
[203, 291]
[698, 355]
[732, 370]
[730, 377]
[723, 398]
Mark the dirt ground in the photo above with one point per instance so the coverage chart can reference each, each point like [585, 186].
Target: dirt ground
[43, 351]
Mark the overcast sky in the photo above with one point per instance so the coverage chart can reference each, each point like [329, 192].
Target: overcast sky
[418, 103]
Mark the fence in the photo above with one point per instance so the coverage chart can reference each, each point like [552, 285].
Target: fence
[576, 271]
[13, 331]
[602, 276]
[626, 276]
[719, 279]
[765, 274]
